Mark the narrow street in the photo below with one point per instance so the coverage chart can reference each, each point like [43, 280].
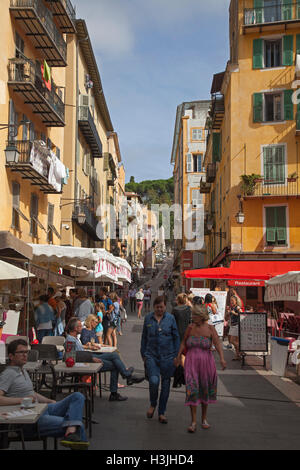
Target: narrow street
[255, 409]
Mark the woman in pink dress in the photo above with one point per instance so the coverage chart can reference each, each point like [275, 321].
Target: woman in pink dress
[199, 367]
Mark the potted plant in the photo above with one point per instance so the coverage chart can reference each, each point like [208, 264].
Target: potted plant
[292, 178]
[249, 182]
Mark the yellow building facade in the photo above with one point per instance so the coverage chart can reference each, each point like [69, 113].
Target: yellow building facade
[252, 158]
[34, 34]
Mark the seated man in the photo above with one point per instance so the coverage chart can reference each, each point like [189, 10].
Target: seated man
[61, 419]
[111, 361]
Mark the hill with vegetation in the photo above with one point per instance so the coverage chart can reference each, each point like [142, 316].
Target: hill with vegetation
[153, 191]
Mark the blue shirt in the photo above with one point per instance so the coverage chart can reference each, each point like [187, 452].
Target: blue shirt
[160, 340]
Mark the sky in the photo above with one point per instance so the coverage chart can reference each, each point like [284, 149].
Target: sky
[152, 56]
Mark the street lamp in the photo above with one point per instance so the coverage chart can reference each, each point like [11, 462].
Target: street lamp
[81, 218]
[240, 216]
[11, 153]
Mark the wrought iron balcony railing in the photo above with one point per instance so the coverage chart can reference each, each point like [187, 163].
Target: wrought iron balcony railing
[33, 164]
[64, 13]
[91, 221]
[25, 78]
[276, 13]
[39, 25]
[211, 171]
[89, 130]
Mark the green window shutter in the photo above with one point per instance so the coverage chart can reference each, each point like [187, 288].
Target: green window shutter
[298, 39]
[216, 151]
[258, 107]
[271, 224]
[298, 9]
[287, 9]
[288, 50]
[298, 117]
[288, 105]
[258, 4]
[258, 48]
[281, 224]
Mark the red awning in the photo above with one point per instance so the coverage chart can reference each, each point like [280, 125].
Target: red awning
[245, 270]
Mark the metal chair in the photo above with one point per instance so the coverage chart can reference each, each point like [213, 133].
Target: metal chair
[47, 354]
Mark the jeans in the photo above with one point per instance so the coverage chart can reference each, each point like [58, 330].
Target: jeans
[113, 363]
[155, 372]
[58, 416]
[40, 334]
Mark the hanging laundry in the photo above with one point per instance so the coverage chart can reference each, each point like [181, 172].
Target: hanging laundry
[46, 75]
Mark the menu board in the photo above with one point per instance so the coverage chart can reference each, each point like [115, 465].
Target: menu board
[253, 332]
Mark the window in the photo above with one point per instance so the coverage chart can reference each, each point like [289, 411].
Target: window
[16, 204]
[273, 107]
[273, 53]
[276, 227]
[197, 134]
[197, 162]
[34, 210]
[274, 164]
[196, 198]
[51, 228]
[273, 56]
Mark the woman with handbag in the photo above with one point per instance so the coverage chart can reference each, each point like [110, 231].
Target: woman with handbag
[199, 367]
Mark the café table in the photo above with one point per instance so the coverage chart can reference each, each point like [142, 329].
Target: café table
[13, 417]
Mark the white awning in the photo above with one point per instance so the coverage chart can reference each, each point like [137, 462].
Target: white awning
[284, 287]
[9, 271]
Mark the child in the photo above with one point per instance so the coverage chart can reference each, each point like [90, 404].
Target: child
[100, 310]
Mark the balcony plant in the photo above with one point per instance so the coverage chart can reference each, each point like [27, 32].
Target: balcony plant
[249, 183]
[292, 178]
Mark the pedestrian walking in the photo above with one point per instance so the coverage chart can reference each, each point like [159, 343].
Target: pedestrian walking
[44, 319]
[147, 299]
[159, 346]
[111, 335]
[83, 306]
[232, 313]
[199, 367]
[183, 314]
[139, 301]
[100, 311]
[132, 299]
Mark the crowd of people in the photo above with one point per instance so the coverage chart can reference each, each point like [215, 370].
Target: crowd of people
[102, 317]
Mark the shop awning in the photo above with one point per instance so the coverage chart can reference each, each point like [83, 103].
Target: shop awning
[12, 247]
[9, 272]
[285, 287]
[245, 270]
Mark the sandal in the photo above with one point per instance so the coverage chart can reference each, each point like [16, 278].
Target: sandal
[192, 428]
[150, 413]
[205, 425]
[162, 419]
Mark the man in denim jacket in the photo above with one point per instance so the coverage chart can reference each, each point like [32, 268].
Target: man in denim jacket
[159, 347]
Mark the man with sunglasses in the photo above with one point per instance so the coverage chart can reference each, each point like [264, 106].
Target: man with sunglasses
[60, 419]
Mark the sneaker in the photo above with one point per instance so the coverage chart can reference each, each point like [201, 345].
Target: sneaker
[74, 442]
[134, 379]
[117, 397]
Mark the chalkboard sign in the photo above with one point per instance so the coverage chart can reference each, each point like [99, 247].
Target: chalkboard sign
[253, 332]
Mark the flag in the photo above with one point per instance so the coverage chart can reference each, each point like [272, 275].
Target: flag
[46, 75]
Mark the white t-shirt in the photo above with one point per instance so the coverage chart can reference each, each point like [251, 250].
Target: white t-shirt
[139, 296]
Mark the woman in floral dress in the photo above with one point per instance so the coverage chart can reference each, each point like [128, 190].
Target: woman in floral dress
[199, 367]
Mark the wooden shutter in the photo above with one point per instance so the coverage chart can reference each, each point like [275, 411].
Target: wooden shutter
[298, 117]
[286, 10]
[258, 48]
[281, 224]
[258, 107]
[216, 147]
[298, 9]
[288, 50]
[270, 225]
[258, 4]
[16, 204]
[189, 163]
[288, 105]
[12, 121]
[33, 214]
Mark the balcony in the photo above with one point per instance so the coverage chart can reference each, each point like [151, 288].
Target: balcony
[217, 111]
[37, 21]
[271, 17]
[88, 128]
[270, 188]
[91, 221]
[25, 78]
[64, 13]
[33, 164]
[211, 172]
[204, 187]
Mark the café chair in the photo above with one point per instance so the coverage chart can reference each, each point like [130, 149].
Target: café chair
[47, 354]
